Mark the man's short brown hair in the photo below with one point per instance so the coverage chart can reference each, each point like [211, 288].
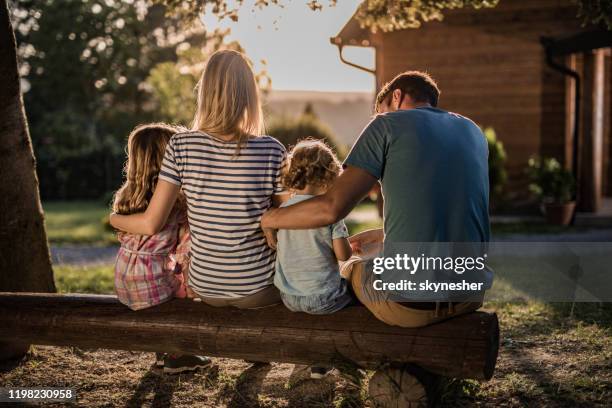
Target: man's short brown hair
[418, 85]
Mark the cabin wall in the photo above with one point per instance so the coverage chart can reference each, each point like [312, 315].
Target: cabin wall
[490, 66]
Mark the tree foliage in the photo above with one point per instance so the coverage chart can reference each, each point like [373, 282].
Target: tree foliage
[384, 15]
[390, 15]
[597, 12]
[84, 66]
[173, 83]
[289, 131]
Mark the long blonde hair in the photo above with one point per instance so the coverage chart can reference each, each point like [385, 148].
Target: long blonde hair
[145, 150]
[228, 98]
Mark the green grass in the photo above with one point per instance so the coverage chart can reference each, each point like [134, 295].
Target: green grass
[77, 222]
[82, 222]
[550, 355]
[356, 227]
[96, 279]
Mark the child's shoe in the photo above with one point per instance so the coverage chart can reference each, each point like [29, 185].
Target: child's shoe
[182, 363]
[319, 372]
[159, 359]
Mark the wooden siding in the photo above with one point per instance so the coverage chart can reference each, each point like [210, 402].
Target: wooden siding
[491, 67]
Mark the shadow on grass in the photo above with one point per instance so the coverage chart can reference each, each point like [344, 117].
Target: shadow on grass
[248, 385]
[331, 391]
[587, 313]
[154, 381]
[550, 354]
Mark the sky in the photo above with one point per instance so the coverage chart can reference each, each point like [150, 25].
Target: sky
[294, 40]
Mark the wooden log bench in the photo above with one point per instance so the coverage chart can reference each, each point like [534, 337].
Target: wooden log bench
[407, 361]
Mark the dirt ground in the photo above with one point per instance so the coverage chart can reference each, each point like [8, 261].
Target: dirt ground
[109, 378]
[546, 359]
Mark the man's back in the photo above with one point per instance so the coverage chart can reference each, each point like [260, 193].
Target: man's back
[434, 172]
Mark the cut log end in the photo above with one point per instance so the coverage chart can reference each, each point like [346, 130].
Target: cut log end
[397, 388]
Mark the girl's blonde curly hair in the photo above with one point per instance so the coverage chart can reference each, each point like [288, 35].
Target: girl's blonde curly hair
[311, 162]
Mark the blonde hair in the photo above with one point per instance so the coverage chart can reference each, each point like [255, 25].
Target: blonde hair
[228, 98]
[311, 162]
[145, 149]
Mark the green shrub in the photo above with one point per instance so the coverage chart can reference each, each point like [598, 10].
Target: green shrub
[289, 130]
[551, 182]
[497, 162]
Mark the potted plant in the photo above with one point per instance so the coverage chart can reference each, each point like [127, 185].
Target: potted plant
[555, 186]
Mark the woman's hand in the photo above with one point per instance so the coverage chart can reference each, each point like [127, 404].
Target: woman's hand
[270, 235]
[190, 293]
[367, 242]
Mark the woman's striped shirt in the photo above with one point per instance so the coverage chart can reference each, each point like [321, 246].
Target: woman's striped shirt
[226, 196]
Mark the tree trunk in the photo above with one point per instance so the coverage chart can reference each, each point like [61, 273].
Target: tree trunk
[24, 254]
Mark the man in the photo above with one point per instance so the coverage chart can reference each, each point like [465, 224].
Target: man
[433, 169]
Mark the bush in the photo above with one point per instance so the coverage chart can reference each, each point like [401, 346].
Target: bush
[550, 181]
[497, 162]
[79, 175]
[290, 131]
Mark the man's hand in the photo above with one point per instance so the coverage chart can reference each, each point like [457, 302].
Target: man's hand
[367, 242]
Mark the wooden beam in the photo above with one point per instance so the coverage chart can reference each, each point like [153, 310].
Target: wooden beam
[607, 178]
[464, 347]
[591, 187]
[570, 114]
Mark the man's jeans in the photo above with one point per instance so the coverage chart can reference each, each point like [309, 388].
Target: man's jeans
[395, 313]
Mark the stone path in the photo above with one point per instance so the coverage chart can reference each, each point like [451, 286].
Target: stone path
[83, 254]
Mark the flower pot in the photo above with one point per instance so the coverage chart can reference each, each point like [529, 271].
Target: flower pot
[559, 214]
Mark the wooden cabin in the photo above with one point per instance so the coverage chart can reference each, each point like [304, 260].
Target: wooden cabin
[515, 68]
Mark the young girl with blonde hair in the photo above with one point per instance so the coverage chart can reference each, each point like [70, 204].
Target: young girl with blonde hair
[230, 175]
[151, 269]
[307, 272]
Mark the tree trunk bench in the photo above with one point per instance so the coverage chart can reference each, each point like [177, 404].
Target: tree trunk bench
[406, 360]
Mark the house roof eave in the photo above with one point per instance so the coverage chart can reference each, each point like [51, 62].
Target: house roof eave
[353, 34]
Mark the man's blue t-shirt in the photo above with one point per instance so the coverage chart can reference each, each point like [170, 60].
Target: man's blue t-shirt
[433, 167]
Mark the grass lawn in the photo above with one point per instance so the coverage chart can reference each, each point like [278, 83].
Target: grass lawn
[77, 222]
[82, 222]
[84, 279]
[547, 358]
